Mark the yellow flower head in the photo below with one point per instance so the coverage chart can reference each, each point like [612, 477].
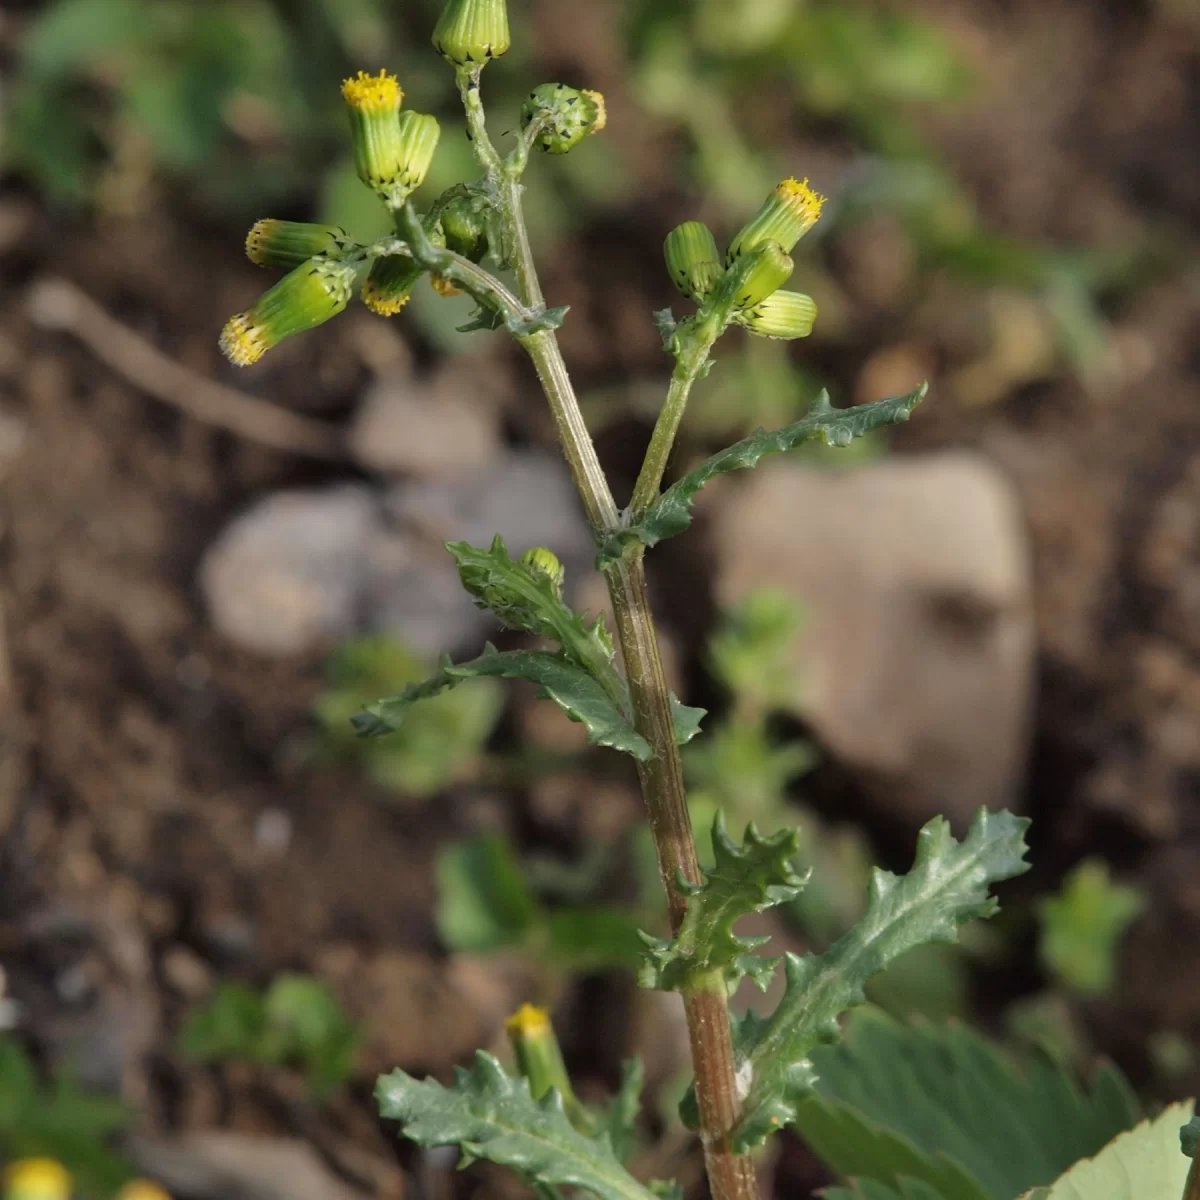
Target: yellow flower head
[242, 341]
[37, 1179]
[373, 93]
[528, 1021]
[788, 213]
[801, 199]
[380, 303]
[304, 298]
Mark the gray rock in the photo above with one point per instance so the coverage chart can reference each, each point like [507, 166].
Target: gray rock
[238, 1166]
[915, 661]
[308, 568]
[421, 429]
[527, 497]
[288, 574]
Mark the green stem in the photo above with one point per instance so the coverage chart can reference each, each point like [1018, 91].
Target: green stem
[467, 79]
[731, 1176]
[662, 440]
[1191, 1189]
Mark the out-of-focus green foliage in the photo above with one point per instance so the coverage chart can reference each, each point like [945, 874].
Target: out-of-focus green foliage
[486, 902]
[1081, 927]
[60, 1120]
[1143, 1164]
[295, 1022]
[492, 1115]
[441, 740]
[237, 102]
[944, 1106]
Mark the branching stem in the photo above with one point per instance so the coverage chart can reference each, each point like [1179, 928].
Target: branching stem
[731, 1176]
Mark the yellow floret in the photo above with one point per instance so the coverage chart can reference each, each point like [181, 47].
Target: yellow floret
[373, 93]
[798, 196]
[597, 98]
[242, 341]
[443, 285]
[259, 233]
[377, 302]
[529, 1021]
[42, 1178]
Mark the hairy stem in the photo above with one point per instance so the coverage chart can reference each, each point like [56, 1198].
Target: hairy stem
[731, 1177]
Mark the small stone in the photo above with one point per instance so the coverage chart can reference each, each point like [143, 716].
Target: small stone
[186, 972]
[273, 832]
[915, 656]
[413, 590]
[411, 429]
[288, 574]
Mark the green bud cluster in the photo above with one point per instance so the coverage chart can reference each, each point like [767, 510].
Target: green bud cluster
[564, 116]
[545, 562]
[392, 150]
[756, 266]
[464, 224]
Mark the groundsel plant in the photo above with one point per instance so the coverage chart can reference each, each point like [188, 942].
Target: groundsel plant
[751, 1074]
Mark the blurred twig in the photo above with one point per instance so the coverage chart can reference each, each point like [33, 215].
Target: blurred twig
[57, 304]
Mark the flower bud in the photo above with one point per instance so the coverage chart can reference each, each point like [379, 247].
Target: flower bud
[567, 115]
[789, 212]
[390, 283]
[465, 228]
[781, 315]
[472, 31]
[764, 270]
[306, 297]
[545, 562]
[419, 134]
[36, 1179]
[693, 260]
[287, 244]
[537, 1051]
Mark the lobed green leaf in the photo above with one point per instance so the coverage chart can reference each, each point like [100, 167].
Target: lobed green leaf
[749, 878]
[489, 1114]
[1143, 1164]
[524, 598]
[942, 1105]
[541, 321]
[871, 1189]
[570, 686]
[672, 512]
[947, 886]
[582, 677]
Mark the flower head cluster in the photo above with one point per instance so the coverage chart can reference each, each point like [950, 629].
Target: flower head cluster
[759, 257]
[393, 150]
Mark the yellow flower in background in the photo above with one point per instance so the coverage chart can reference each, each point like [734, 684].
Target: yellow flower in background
[36, 1179]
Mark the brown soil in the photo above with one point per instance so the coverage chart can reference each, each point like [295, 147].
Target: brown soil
[139, 750]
